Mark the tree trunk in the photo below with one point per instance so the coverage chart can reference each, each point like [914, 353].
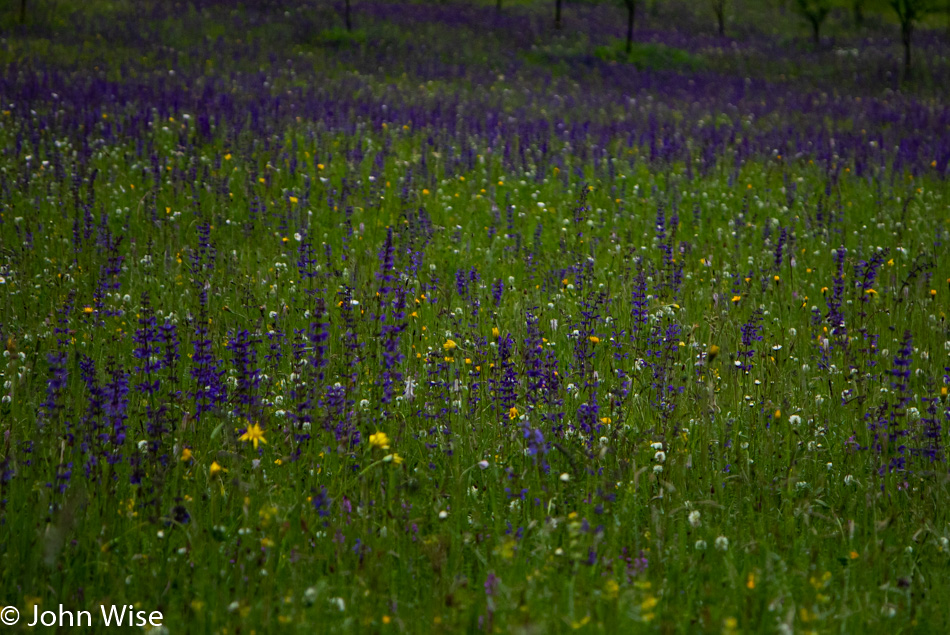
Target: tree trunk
[557, 14]
[816, 32]
[631, 8]
[721, 18]
[498, 5]
[858, 7]
[346, 15]
[22, 11]
[906, 32]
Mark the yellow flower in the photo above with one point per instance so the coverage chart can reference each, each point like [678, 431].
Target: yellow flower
[254, 434]
[186, 454]
[736, 298]
[216, 469]
[594, 339]
[379, 440]
[713, 351]
[495, 332]
[513, 413]
[449, 345]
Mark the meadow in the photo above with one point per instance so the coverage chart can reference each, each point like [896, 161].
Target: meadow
[456, 322]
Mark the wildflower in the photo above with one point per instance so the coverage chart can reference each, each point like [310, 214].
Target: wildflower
[495, 332]
[565, 477]
[700, 545]
[594, 339]
[693, 518]
[393, 458]
[513, 413]
[795, 420]
[215, 469]
[379, 440]
[712, 353]
[254, 434]
[186, 455]
[449, 345]
[736, 298]
[722, 543]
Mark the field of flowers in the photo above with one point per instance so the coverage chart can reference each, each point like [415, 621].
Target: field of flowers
[456, 322]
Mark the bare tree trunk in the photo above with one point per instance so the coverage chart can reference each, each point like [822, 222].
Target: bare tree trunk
[631, 9]
[498, 5]
[858, 7]
[721, 17]
[907, 30]
[22, 11]
[557, 14]
[816, 32]
[346, 15]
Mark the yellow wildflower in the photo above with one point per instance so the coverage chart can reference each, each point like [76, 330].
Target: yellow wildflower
[254, 434]
[379, 440]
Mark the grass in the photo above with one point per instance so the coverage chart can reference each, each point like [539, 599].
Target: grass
[649, 56]
[428, 339]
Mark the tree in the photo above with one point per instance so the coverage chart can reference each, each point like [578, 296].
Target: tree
[557, 14]
[815, 11]
[909, 13]
[719, 7]
[22, 11]
[346, 15]
[857, 6]
[631, 11]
